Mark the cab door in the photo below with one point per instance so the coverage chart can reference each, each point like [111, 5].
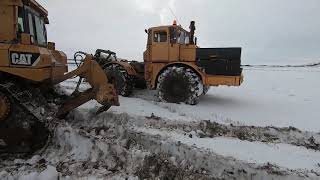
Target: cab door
[159, 48]
[174, 47]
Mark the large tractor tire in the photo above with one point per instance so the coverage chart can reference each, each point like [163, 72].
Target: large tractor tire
[179, 85]
[121, 80]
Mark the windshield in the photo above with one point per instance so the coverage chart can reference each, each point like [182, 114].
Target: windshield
[179, 36]
[160, 36]
[31, 22]
[20, 20]
[40, 31]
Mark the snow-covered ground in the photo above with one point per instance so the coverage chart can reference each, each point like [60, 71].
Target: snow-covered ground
[268, 128]
[279, 97]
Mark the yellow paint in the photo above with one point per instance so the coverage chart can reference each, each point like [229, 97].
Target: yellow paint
[51, 66]
[159, 56]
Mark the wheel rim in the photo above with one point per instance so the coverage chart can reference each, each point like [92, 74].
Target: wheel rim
[4, 107]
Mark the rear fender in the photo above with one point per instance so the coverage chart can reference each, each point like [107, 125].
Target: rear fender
[180, 64]
[125, 65]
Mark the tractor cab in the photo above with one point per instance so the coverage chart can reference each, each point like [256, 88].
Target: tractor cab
[23, 41]
[25, 22]
[170, 44]
[32, 20]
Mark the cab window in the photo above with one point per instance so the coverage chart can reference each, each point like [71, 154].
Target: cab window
[20, 25]
[40, 29]
[20, 20]
[29, 21]
[160, 36]
[31, 25]
[181, 37]
[37, 29]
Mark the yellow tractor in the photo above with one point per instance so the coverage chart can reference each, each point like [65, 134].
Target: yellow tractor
[29, 68]
[177, 67]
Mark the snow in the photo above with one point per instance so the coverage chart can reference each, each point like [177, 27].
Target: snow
[279, 97]
[80, 147]
[270, 96]
[50, 173]
[282, 98]
[31, 176]
[284, 155]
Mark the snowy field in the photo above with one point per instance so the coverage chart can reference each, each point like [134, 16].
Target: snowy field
[269, 128]
[279, 97]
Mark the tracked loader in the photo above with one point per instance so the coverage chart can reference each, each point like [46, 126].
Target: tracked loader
[29, 68]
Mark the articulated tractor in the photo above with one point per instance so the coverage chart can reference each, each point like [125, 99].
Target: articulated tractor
[175, 66]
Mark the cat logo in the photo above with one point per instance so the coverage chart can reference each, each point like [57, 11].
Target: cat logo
[24, 59]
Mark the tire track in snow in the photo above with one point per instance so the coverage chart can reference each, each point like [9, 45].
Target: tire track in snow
[185, 156]
[268, 134]
[186, 160]
[114, 145]
[208, 129]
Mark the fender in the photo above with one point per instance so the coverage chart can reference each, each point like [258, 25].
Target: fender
[125, 65]
[163, 67]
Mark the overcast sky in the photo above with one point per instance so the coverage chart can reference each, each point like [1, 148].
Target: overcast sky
[269, 31]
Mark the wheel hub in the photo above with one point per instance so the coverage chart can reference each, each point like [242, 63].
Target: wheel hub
[4, 107]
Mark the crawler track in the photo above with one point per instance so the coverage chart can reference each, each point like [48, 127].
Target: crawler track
[26, 128]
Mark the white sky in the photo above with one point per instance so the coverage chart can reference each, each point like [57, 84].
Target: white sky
[269, 31]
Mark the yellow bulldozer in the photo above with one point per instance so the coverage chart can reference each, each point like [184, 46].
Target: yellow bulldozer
[175, 66]
[29, 68]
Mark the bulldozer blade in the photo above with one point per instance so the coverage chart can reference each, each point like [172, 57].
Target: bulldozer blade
[103, 109]
[75, 102]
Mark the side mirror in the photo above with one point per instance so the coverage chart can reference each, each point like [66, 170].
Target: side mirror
[146, 31]
[51, 46]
